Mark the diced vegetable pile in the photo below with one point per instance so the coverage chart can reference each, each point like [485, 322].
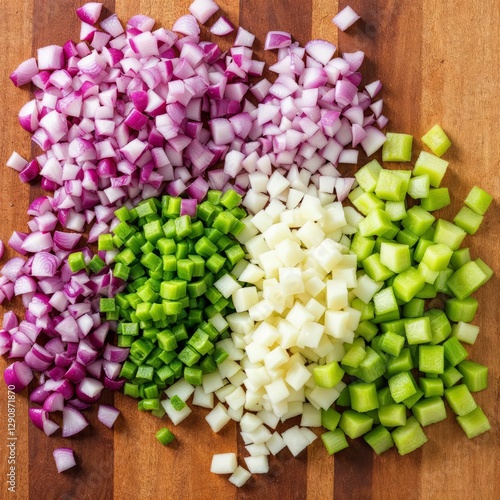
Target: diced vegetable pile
[230, 262]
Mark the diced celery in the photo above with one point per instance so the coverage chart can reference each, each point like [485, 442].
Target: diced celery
[429, 411]
[466, 280]
[437, 140]
[461, 310]
[409, 437]
[376, 223]
[395, 256]
[460, 399]
[367, 176]
[478, 200]
[401, 386]
[355, 424]
[390, 187]
[407, 284]
[396, 210]
[379, 439]
[334, 441]
[465, 332]
[475, 375]
[448, 234]
[367, 202]
[392, 415]
[418, 220]
[468, 220]
[418, 330]
[474, 423]
[431, 359]
[436, 199]
[418, 187]
[431, 386]
[397, 147]
[451, 376]
[431, 165]
[363, 396]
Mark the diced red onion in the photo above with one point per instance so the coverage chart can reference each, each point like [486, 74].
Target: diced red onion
[222, 27]
[107, 415]
[203, 10]
[64, 459]
[18, 375]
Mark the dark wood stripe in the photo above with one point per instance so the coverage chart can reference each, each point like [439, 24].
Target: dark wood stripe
[54, 23]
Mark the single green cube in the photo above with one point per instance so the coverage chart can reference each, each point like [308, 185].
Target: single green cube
[440, 325]
[391, 343]
[375, 223]
[474, 423]
[478, 200]
[475, 375]
[189, 356]
[385, 301]
[397, 147]
[401, 386]
[367, 202]
[396, 210]
[328, 375]
[465, 332]
[409, 437]
[418, 330]
[431, 386]
[417, 220]
[375, 269]
[372, 367]
[392, 415]
[431, 359]
[330, 418]
[451, 376]
[431, 165]
[418, 187]
[461, 310]
[379, 439]
[448, 234]
[468, 220]
[407, 284]
[395, 256]
[414, 308]
[436, 199]
[390, 186]
[406, 237]
[367, 176]
[355, 424]
[363, 396]
[165, 436]
[429, 411]
[466, 280]
[334, 441]
[437, 257]
[488, 272]
[460, 257]
[437, 140]
[460, 399]
[230, 199]
[76, 261]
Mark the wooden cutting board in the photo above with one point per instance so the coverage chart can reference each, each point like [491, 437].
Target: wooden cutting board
[439, 62]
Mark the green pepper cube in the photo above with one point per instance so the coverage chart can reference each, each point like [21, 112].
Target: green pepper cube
[107, 305]
[397, 147]
[76, 261]
[230, 199]
[185, 269]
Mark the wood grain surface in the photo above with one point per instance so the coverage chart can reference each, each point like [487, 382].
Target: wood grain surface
[439, 62]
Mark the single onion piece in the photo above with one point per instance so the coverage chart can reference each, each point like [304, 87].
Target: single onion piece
[107, 415]
[89, 12]
[345, 18]
[187, 25]
[320, 50]
[277, 40]
[2, 249]
[73, 422]
[24, 72]
[203, 10]
[222, 27]
[64, 459]
[18, 375]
